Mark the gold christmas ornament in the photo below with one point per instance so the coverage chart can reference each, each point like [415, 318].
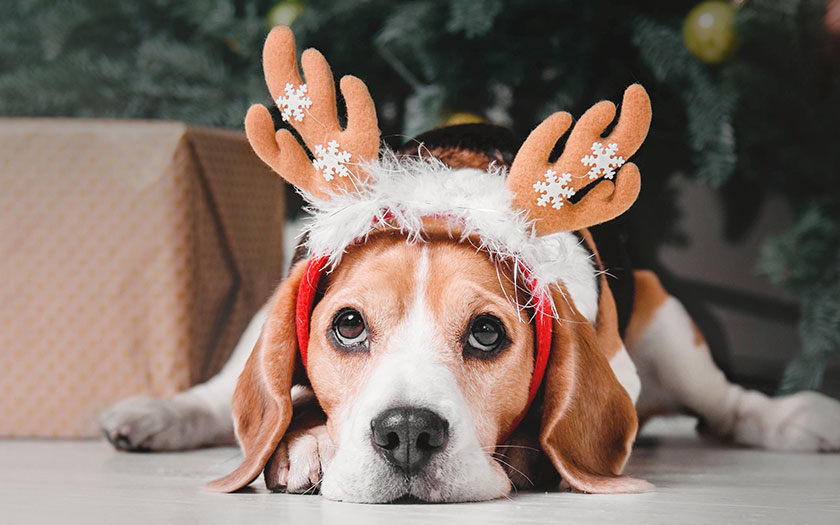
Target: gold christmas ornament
[709, 31]
[462, 117]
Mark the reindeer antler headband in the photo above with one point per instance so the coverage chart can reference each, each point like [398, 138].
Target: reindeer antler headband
[311, 109]
[525, 218]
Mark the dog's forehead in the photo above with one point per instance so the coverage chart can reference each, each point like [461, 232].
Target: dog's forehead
[388, 263]
[382, 259]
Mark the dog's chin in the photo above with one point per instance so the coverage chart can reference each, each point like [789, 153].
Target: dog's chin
[476, 477]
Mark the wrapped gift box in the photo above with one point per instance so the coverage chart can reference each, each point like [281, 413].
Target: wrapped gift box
[132, 256]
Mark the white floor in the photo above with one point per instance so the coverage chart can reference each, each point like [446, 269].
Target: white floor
[697, 482]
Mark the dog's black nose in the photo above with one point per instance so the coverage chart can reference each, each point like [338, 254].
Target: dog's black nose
[408, 437]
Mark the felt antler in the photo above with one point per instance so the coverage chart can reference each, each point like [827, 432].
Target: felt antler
[544, 190]
[311, 109]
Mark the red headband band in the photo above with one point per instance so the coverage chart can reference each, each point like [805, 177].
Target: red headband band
[542, 321]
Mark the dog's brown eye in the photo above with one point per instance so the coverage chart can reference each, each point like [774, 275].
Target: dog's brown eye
[486, 335]
[349, 328]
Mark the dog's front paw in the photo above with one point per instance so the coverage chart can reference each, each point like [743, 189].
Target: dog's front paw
[144, 423]
[299, 461]
[804, 422]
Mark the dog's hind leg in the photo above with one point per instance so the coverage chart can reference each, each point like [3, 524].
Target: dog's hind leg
[198, 417]
[679, 375]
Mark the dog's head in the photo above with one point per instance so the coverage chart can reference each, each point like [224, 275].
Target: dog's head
[415, 319]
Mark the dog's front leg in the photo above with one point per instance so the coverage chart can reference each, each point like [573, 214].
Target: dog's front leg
[301, 457]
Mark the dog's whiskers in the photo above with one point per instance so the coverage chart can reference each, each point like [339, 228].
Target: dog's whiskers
[511, 446]
[314, 487]
[499, 455]
[508, 465]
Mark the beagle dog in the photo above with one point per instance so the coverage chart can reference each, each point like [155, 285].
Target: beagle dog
[448, 330]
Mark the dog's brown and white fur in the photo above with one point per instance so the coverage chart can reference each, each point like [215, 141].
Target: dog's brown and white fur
[417, 299]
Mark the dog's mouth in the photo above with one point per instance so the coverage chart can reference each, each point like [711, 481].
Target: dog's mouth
[451, 476]
[423, 485]
[408, 500]
[428, 485]
[456, 474]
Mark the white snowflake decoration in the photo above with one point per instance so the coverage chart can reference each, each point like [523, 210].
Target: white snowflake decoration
[294, 103]
[331, 160]
[603, 161]
[554, 190]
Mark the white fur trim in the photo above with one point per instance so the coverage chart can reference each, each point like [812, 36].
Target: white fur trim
[407, 189]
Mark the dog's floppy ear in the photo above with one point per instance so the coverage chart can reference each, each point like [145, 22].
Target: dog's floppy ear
[588, 421]
[262, 403]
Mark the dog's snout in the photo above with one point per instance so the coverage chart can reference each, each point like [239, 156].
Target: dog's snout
[408, 437]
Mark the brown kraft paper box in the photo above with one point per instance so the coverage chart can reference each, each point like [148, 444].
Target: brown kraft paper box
[132, 256]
